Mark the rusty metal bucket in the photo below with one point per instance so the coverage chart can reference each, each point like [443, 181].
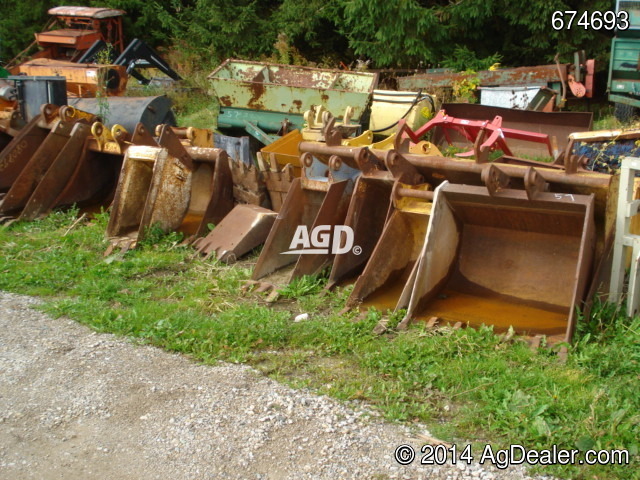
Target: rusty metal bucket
[308, 204]
[320, 197]
[398, 248]
[243, 229]
[211, 185]
[370, 208]
[366, 216]
[167, 184]
[21, 148]
[53, 182]
[154, 188]
[49, 166]
[501, 258]
[211, 190]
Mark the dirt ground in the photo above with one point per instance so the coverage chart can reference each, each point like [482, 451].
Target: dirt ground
[75, 404]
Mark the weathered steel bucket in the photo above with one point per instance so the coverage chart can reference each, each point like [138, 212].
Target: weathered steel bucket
[56, 178]
[211, 190]
[318, 197]
[171, 186]
[154, 188]
[21, 148]
[369, 210]
[243, 229]
[367, 214]
[397, 250]
[46, 171]
[94, 179]
[506, 258]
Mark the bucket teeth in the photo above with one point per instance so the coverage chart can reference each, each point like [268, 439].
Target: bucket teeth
[248, 184]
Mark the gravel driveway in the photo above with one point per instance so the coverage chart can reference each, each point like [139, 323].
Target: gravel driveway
[76, 404]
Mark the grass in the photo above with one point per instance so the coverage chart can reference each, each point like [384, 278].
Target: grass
[464, 384]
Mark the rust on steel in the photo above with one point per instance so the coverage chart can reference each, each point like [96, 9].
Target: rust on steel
[505, 260]
[504, 76]
[352, 156]
[551, 175]
[243, 229]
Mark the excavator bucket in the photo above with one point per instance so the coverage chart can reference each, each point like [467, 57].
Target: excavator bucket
[284, 151]
[332, 212]
[371, 200]
[278, 183]
[65, 139]
[154, 188]
[211, 193]
[397, 250]
[164, 183]
[94, 178]
[502, 257]
[306, 205]
[23, 146]
[243, 229]
[318, 200]
[56, 177]
[366, 217]
[211, 186]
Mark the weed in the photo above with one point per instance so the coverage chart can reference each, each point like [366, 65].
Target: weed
[464, 90]
[104, 57]
[302, 286]
[155, 234]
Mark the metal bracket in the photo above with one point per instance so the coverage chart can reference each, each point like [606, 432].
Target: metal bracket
[534, 183]
[495, 179]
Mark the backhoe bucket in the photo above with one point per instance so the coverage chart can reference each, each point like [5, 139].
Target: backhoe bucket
[332, 212]
[153, 188]
[211, 191]
[397, 250]
[52, 184]
[366, 216]
[208, 183]
[243, 229]
[284, 151]
[306, 205]
[36, 167]
[504, 259]
[23, 146]
[95, 176]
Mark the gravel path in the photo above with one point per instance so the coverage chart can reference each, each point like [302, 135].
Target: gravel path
[76, 404]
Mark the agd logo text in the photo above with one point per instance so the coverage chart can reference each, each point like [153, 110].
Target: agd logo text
[324, 239]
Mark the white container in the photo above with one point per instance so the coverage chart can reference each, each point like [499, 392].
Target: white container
[508, 97]
[389, 106]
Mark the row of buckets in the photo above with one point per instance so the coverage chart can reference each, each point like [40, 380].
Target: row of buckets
[446, 240]
[449, 240]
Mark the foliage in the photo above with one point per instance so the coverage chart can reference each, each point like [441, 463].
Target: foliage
[398, 33]
[407, 33]
[465, 59]
[103, 57]
[17, 28]
[464, 89]
[301, 286]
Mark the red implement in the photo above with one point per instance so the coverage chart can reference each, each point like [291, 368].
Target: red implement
[493, 130]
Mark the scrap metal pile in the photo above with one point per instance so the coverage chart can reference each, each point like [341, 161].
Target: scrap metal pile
[481, 237]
